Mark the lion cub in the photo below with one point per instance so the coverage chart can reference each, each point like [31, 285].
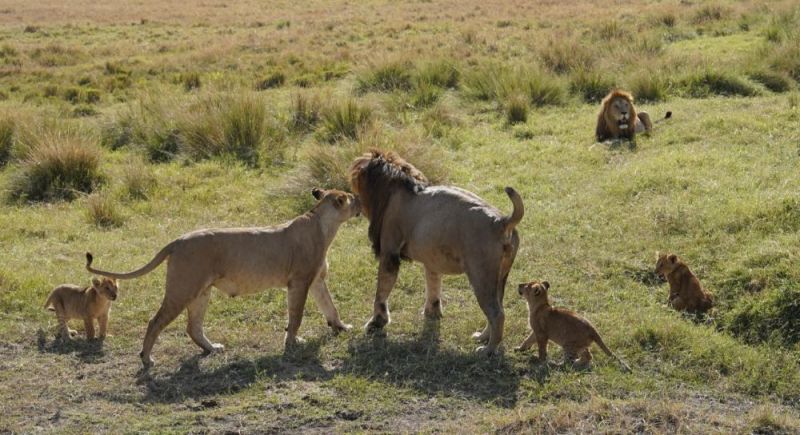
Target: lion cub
[685, 291]
[73, 302]
[570, 331]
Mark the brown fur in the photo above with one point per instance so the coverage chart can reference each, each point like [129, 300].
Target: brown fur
[87, 303]
[685, 291]
[565, 328]
[618, 107]
[241, 261]
[449, 230]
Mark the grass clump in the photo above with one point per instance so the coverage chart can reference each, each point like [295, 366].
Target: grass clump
[516, 108]
[7, 134]
[57, 165]
[564, 56]
[772, 316]
[137, 180]
[649, 87]
[190, 81]
[306, 112]
[495, 82]
[772, 80]
[347, 120]
[425, 94]
[390, 76]
[101, 211]
[710, 13]
[275, 79]
[443, 74]
[709, 82]
[591, 86]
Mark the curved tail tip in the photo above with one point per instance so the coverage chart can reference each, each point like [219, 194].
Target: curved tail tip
[89, 259]
[668, 115]
[510, 190]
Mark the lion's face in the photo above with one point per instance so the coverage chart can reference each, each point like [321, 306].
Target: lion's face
[619, 112]
[106, 287]
[665, 264]
[346, 204]
[534, 290]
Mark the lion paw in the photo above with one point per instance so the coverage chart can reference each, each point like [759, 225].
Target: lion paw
[481, 336]
[486, 350]
[433, 313]
[341, 327]
[375, 324]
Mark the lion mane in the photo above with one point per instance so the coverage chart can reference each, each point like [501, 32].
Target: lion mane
[606, 125]
[375, 176]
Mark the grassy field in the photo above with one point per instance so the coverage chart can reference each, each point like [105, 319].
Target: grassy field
[122, 128]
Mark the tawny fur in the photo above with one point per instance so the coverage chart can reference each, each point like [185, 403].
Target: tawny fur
[617, 110]
[565, 328]
[240, 261]
[447, 229]
[87, 303]
[685, 291]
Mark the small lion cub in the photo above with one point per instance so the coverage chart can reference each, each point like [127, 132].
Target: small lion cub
[73, 302]
[568, 330]
[685, 291]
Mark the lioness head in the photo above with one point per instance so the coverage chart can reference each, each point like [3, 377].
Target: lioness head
[345, 204]
[665, 264]
[534, 290]
[105, 287]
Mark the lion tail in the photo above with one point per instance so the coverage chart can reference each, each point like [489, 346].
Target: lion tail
[667, 116]
[510, 222]
[599, 341]
[158, 259]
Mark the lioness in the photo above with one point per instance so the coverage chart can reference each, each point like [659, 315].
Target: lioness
[685, 291]
[88, 303]
[241, 261]
[565, 328]
[449, 230]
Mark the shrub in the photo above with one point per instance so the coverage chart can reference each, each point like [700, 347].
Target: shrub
[57, 165]
[516, 106]
[390, 76]
[772, 80]
[771, 316]
[709, 82]
[649, 87]
[443, 74]
[101, 210]
[591, 86]
[347, 120]
[7, 134]
[305, 113]
[275, 79]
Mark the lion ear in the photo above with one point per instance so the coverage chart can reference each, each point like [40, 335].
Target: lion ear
[546, 285]
[673, 258]
[340, 201]
[316, 192]
[96, 282]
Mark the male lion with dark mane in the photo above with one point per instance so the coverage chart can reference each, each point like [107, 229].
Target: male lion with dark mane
[447, 229]
[618, 118]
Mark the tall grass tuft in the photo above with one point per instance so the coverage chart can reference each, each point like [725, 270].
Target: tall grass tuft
[7, 133]
[563, 56]
[390, 76]
[441, 73]
[591, 86]
[709, 13]
[102, 211]
[306, 112]
[773, 80]
[707, 82]
[516, 107]
[137, 180]
[773, 316]
[346, 120]
[496, 82]
[57, 165]
[649, 86]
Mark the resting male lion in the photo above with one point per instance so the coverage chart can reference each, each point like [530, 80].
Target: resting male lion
[449, 230]
[240, 261]
[618, 117]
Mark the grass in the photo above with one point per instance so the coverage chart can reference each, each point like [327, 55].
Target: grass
[716, 185]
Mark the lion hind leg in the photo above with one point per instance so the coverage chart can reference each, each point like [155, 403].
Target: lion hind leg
[645, 124]
[322, 297]
[486, 291]
[433, 294]
[196, 312]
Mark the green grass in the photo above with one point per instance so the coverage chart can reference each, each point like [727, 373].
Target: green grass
[716, 185]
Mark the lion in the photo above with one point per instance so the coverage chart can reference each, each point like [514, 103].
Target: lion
[685, 291]
[619, 119]
[565, 328]
[447, 229]
[240, 261]
[70, 301]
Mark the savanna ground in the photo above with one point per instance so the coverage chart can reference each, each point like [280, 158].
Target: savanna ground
[124, 126]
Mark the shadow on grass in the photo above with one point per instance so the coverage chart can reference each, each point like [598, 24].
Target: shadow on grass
[190, 381]
[420, 364]
[89, 351]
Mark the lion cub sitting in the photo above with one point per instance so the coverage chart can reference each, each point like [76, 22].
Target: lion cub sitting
[685, 291]
[73, 302]
[570, 331]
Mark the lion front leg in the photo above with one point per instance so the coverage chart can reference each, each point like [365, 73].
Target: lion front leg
[387, 276]
[322, 297]
[433, 294]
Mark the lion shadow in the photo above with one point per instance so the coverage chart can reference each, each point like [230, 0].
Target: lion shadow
[88, 351]
[420, 363]
[192, 381]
